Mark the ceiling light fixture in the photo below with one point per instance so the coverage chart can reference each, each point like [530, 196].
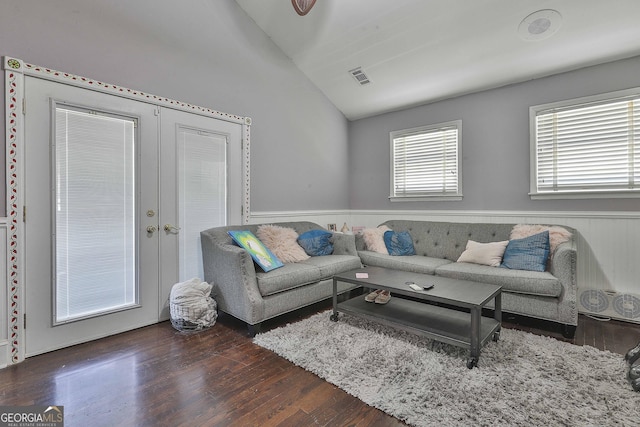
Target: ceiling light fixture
[540, 25]
[303, 7]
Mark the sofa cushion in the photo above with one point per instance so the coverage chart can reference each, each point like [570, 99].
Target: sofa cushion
[413, 263]
[261, 254]
[287, 277]
[530, 253]
[283, 242]
[484, 253]
[557, 234]
[316, 242]
[373, 238]
[399, 243]
[541, 283]
[331, 265]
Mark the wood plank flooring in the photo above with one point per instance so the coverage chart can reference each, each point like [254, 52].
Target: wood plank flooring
[157, 376]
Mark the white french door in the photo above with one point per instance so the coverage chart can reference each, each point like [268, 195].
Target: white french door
[87, 190]
[201, 187]
[116, 194]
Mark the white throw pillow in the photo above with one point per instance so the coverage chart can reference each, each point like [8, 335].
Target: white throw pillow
[283, 242]
[484, 253]
[557, 234]
[374, 239]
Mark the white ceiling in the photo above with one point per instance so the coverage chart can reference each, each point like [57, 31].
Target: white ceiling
[420, 51]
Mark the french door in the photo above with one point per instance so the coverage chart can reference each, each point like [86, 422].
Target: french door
[116, 193]
[200, 188]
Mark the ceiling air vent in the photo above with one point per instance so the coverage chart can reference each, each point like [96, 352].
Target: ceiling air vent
[360, 76]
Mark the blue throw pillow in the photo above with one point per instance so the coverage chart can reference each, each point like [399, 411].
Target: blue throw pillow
[316, 242]
[399, 243]
[530, 253]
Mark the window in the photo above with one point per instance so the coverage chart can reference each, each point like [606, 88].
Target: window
[587, 148]
[425, 163]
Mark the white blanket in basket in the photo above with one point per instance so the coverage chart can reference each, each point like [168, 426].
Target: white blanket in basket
[191, 301]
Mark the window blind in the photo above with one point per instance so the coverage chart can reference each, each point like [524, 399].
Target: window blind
[592, 147]
[425, 161]
[202, 195]
[95, 242]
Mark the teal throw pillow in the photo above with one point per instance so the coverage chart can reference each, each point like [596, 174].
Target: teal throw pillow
[399, 243]
[530, 253]
[258, 251]
[316, 242]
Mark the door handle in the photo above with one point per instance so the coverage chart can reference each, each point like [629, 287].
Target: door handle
[151, 229]
[168, 228]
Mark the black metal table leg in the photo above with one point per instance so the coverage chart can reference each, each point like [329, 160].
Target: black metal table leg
[476, 313]
[497, 314]
[334, 316]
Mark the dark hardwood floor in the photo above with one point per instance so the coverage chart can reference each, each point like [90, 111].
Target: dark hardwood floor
[157, 376]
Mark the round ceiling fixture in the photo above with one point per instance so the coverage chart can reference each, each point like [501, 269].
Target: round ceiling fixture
[540, 25]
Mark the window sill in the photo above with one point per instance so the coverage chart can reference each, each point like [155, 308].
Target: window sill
[439, 198]
[630, 194]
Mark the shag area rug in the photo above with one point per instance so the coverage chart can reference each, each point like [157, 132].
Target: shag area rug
[521, 380]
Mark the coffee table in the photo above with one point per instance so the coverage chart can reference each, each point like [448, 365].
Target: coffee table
[458, 321]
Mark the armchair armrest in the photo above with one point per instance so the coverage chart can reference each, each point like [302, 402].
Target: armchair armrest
[563, 265]
[231, 271]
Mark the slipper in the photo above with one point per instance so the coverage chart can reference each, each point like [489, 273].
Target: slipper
[383, 297]
[373, 295]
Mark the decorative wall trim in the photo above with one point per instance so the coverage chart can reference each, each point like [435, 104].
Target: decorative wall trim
[70, 79]
[14, 132]
[15, 70]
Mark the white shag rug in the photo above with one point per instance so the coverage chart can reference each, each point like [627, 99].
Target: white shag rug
[521, 380]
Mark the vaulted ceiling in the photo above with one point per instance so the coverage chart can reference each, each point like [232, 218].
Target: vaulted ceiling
[419, 51]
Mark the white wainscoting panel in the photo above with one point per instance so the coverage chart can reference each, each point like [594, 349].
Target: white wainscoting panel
[608, 242]
[323, 218]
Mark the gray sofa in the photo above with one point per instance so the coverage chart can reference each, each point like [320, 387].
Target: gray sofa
[548, 295]
[251, 295]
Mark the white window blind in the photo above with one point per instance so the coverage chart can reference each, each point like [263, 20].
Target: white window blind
[202, 194]
[591, 147]
[425, 162]
[95, 244]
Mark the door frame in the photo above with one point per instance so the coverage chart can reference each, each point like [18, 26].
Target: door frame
[15, 71]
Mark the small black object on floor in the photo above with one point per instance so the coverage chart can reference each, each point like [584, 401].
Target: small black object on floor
[631, 357]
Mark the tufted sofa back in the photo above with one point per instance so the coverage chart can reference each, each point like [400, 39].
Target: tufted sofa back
[447, 240]
[221, 237]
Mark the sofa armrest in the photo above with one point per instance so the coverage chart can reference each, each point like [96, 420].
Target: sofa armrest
[344, 244]
[231, 271]
[563, 265]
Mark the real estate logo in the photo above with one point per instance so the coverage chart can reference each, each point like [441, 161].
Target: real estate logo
[32, 416]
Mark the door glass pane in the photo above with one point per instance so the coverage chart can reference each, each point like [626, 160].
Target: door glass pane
[202, 193]
[95, 244]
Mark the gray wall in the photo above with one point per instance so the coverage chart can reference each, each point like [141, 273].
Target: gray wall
[216, 57]
[495, 143]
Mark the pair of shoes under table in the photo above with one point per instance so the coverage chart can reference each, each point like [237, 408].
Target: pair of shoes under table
[378, 296]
